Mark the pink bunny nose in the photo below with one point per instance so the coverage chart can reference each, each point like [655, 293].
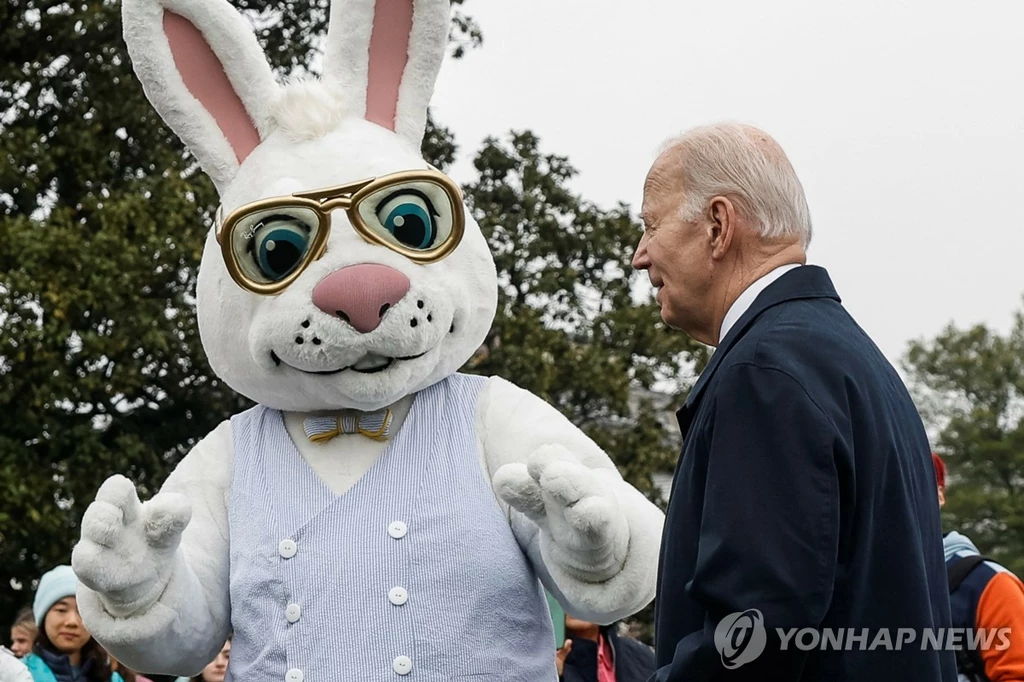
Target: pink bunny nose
[361, 294]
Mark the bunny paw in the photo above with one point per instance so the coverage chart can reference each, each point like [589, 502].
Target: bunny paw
[577, 513]
[126, 550]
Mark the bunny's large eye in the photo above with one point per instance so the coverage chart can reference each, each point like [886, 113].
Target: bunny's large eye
[410, 218]
[269, 245]
[279, 245]
[414, 217]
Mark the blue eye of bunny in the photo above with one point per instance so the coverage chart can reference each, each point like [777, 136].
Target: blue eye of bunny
[410, 217]
[279, 244]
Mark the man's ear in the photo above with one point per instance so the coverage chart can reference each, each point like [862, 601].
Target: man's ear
[721, 225]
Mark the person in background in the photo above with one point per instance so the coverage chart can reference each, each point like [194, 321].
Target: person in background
[985, 597]
[601, 653]
[23, 632]
[64, 651]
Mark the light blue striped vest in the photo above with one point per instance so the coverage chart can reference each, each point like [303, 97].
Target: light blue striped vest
[412, 574]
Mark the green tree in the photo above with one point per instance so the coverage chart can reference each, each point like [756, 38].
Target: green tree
[969, 384]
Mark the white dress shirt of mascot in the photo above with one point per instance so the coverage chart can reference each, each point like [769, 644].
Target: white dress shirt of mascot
[342, 310]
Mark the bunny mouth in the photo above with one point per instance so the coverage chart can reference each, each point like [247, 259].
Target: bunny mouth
[371, 363]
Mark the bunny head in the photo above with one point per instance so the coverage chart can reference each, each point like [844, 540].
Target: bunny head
[343, 271]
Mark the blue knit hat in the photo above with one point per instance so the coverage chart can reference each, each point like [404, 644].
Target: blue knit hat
[55, 584]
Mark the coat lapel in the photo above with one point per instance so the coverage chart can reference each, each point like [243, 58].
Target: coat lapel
[808, 281]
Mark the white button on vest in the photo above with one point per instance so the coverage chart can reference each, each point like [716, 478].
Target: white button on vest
[398, 596]
[287, 548]
[397, 529]
[292, 613]
[403, 665]
[294, 675]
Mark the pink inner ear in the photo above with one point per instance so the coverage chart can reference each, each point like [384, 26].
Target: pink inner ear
[389, 53]
[204, 77]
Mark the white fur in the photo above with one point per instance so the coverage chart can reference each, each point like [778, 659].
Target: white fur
[347, 51]
[584, 531]
[346, 60]
[11, 669]
[426, 53]
[234, 43]
[306, 110]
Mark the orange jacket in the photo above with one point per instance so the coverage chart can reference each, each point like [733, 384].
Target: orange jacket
[1001, 605]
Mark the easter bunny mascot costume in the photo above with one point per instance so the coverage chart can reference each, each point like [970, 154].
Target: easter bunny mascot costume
[378, 514]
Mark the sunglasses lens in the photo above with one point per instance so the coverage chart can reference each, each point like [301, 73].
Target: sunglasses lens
[270, 244]
[418, 214]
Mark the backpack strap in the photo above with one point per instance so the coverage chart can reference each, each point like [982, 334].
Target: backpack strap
[969, 663]
[957, 570]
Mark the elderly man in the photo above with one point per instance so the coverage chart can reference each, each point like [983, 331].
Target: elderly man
[804, 496]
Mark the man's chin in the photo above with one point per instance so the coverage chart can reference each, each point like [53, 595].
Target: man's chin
[680, 323]
[669, 319]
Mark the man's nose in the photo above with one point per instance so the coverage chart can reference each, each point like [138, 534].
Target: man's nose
[640, 260]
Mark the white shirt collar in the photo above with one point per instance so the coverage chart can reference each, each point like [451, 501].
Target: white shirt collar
[746, 299]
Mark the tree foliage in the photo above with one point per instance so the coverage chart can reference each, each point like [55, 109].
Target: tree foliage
[102, 222]
[970, 386]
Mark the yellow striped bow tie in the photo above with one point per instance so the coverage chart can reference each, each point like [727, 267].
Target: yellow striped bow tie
[375, 425]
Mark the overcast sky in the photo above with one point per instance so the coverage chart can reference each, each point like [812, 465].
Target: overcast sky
[904, 120]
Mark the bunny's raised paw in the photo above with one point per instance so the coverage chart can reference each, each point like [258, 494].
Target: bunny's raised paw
[126, 550]
[577, 512]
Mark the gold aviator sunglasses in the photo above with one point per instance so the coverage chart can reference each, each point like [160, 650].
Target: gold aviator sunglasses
[268, 243]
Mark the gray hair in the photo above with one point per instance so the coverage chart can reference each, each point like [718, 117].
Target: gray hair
[748, 166]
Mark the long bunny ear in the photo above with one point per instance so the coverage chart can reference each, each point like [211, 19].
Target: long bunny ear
[206, 75]
[383, 57]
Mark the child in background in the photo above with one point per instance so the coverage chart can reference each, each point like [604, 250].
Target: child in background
[23, 632]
